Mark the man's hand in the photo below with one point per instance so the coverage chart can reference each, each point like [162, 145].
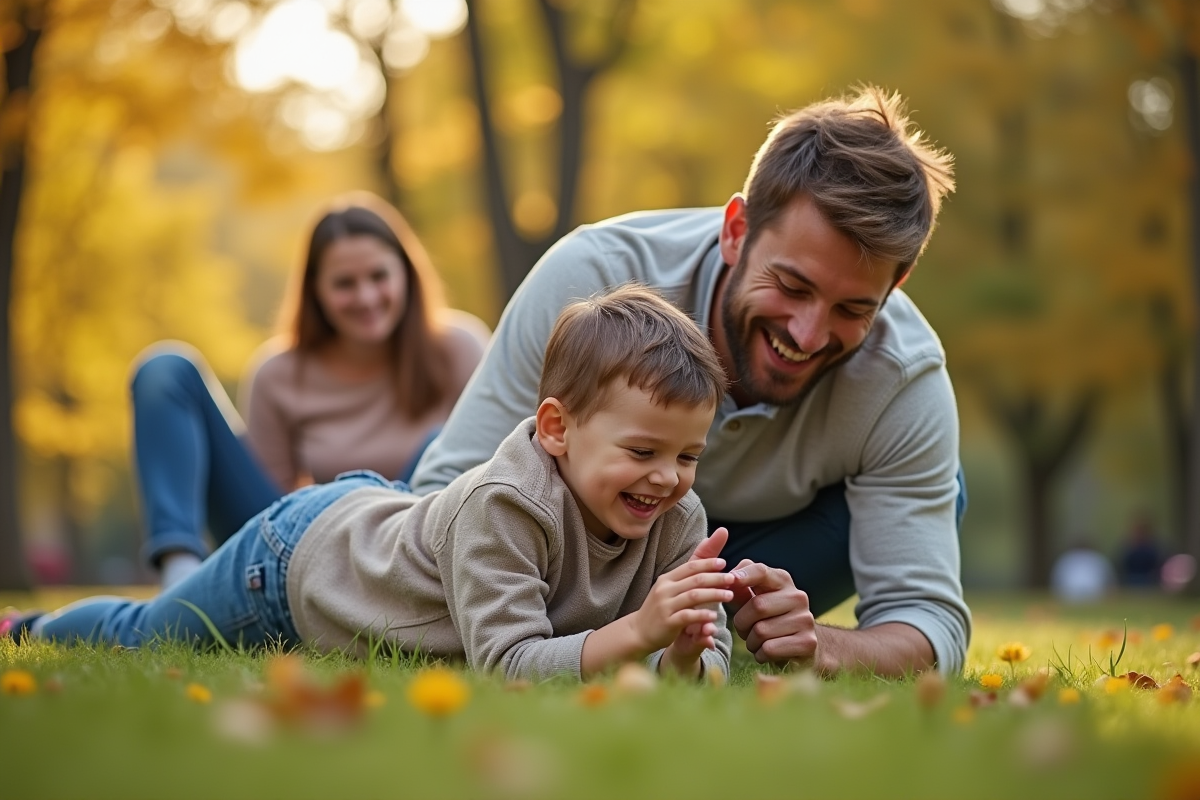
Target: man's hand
[772, 615]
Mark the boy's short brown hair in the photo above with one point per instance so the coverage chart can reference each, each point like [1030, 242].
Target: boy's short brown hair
[631, 333]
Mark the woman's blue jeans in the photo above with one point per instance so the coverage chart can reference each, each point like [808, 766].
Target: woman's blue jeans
[241, 589]
[194, 470]
[813, 545]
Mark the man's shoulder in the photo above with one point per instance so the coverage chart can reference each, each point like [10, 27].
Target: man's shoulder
[647, 232]
[902, 338]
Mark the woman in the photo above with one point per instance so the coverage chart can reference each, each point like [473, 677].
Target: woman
[372, 364]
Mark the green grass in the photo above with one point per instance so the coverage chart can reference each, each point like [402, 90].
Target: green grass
[121, 725]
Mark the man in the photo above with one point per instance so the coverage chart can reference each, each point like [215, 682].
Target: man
[834, 457]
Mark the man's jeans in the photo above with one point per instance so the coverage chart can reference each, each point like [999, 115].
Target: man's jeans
[241, 589]
[813, 545]
[193, 471]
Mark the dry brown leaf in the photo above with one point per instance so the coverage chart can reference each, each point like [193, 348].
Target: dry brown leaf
[592, 695]
[633, 678]
[769, 688]
[1140, 681]
[982, 699]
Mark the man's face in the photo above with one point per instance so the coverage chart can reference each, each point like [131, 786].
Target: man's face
[799, 301]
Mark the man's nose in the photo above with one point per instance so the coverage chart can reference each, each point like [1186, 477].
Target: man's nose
[810, 327]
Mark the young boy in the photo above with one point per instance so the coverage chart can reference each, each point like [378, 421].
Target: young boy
[578, 546]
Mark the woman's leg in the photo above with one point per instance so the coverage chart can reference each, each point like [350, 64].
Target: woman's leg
[189, 458]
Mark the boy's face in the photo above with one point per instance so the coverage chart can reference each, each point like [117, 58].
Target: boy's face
[631, 461]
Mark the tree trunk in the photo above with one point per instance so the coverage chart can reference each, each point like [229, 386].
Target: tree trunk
[1190, 83]
[516, 252]
[18, 63]
[1044, 447]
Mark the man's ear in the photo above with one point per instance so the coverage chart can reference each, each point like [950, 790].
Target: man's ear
[552, 419]
[733, 230]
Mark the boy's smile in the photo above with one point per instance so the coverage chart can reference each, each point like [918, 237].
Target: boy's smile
[630, 462]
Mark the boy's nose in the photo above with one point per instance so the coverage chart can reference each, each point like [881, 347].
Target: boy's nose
[667, 478]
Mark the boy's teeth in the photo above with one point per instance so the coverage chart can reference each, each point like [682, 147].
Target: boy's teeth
[641, 498]
[787, 352]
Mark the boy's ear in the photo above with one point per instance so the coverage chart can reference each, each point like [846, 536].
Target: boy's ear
[552, 420]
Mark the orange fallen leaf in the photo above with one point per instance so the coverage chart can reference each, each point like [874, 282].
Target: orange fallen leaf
[592, 695]
[1182, 782]
[982, 699]
[769, 688]
[294, 698]
[1135, 637]
[1034, 686]
[930, 688]
[1176, 690]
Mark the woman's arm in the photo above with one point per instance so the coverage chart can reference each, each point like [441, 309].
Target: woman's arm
[268, 430]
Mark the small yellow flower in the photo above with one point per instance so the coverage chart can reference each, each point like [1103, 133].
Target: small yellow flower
[1012, 652]
[374, 699]
[1068, 697]
[1115, 685]
[438, 692]
[17, 681]
[1160, 633]
[991, 681]
[198, 694]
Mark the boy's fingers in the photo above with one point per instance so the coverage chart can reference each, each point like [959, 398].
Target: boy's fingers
[712, 546]
[696, 567]
[690, 616]
[694, 598]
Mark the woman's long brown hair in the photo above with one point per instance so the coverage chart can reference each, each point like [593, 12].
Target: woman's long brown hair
[419, 359]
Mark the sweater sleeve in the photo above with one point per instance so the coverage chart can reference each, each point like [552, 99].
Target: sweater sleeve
[903, 533]
[496, 557]
[503, 390]
[267, 426]
[695, 530]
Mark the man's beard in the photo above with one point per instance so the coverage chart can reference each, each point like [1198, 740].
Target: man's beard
[741, 335]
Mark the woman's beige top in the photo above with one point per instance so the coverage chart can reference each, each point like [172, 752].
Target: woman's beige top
[307, 424]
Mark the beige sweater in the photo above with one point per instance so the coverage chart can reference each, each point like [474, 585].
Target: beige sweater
[497, 568]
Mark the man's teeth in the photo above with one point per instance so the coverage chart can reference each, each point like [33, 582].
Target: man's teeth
[787, 352]
[642, 498]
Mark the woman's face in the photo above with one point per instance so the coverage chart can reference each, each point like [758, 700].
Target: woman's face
[362, 288]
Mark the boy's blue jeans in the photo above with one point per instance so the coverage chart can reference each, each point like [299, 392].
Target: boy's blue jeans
[193, 471]
[813, 545]
[241, 588]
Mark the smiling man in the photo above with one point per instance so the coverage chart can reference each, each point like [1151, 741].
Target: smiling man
[833, 459]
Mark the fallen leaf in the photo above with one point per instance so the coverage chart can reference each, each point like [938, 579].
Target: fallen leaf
[1140, 681]
[851, 709]
[1176, 690]
[174, 673]
[1194, 660]
[592, 695]
[633, 678]
[769, 688]
[1035, 685]
[982, 699]
[930, 688]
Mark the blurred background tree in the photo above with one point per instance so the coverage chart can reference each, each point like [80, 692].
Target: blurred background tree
[177, 149]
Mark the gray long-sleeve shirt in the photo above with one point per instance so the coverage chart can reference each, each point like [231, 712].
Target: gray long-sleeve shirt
[885, 422]
[497, 569]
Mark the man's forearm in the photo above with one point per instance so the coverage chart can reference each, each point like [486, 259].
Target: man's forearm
[892, 649]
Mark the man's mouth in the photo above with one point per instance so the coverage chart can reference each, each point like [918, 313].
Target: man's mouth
[785, 352]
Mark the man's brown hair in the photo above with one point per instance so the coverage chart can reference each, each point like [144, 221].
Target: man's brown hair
[871, 174]
[630, 333]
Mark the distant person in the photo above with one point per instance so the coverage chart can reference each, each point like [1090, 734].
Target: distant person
[1141, 557]
[577, 547]
[370, 366]
[1082, 574]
